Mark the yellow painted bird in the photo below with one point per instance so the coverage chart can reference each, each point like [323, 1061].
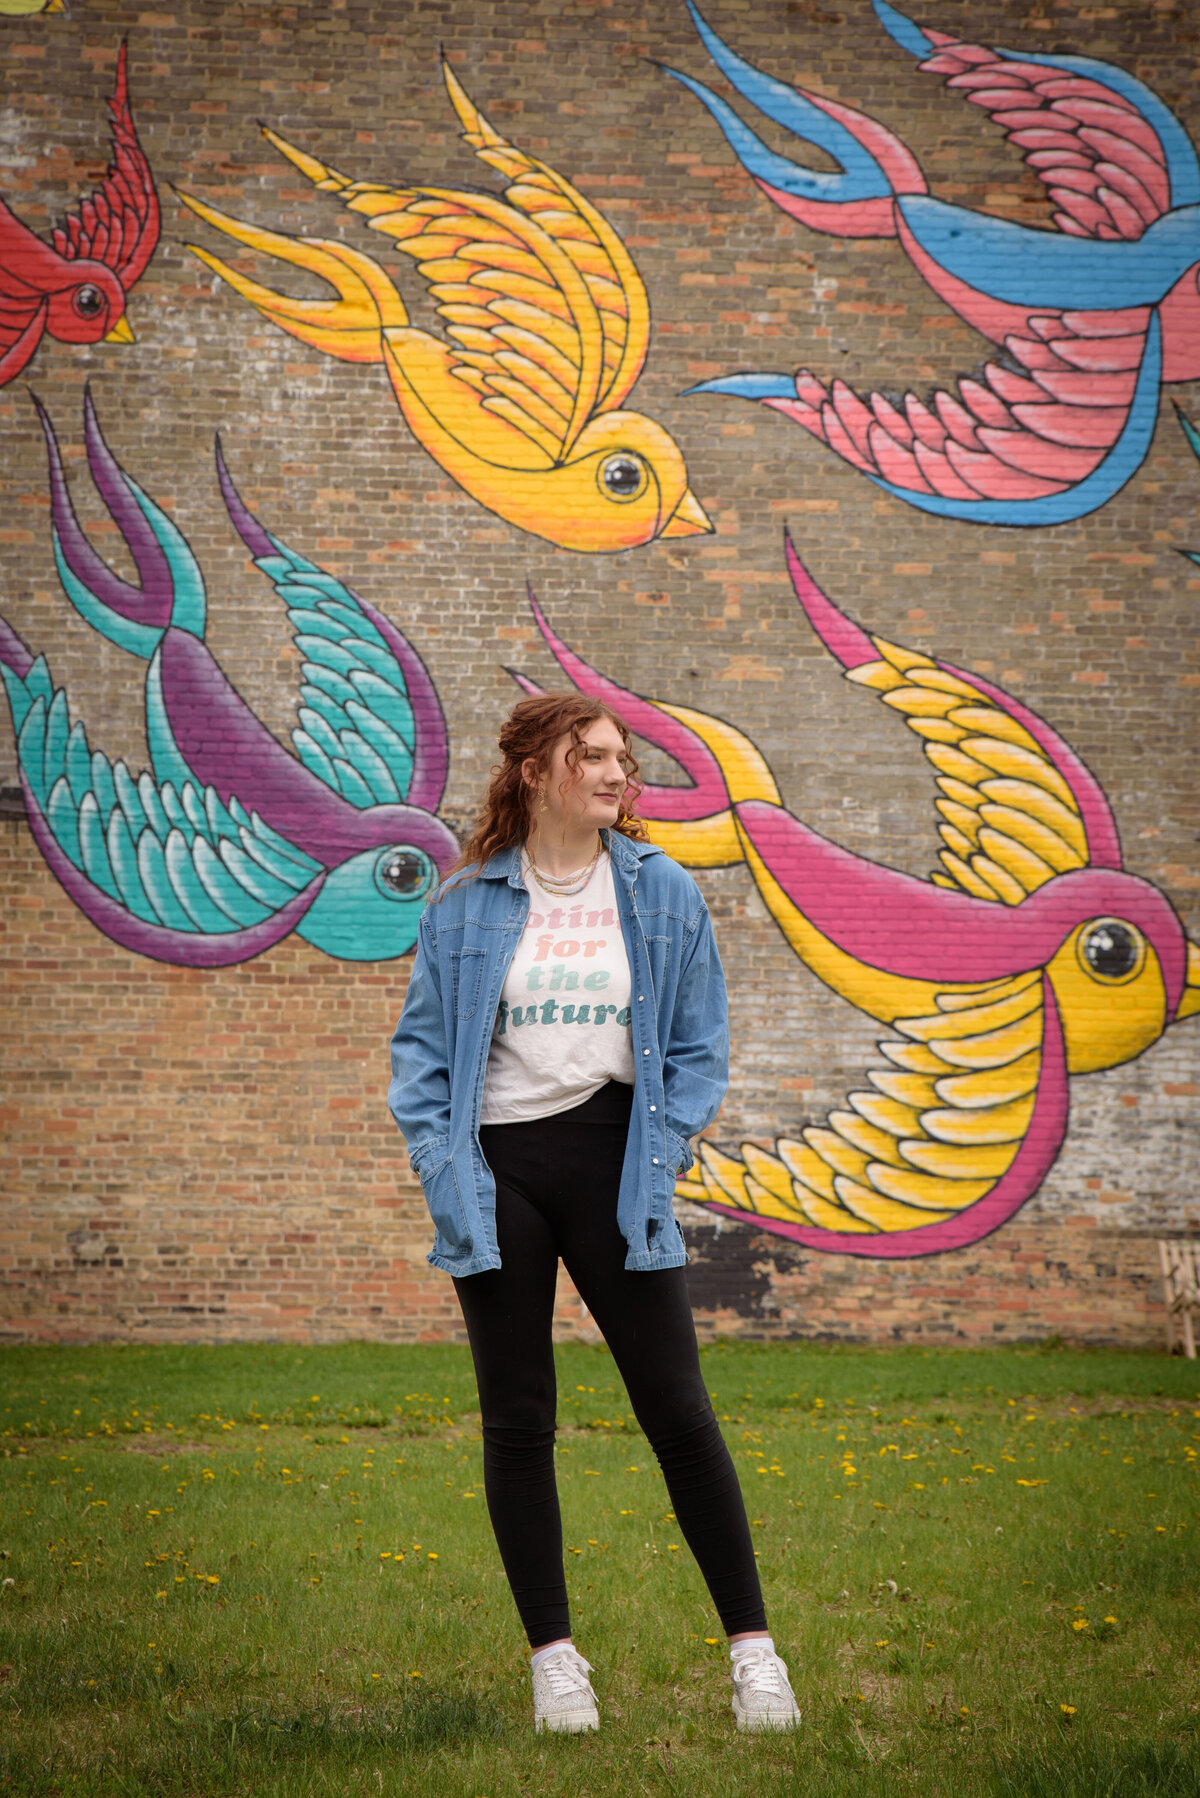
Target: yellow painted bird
[548, 324]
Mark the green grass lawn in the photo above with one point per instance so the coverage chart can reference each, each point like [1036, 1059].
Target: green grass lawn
[268, 1570]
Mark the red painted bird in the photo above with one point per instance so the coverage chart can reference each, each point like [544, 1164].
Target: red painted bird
[75, 286]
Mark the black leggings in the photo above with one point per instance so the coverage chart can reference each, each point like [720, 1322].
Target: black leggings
[556, 1194]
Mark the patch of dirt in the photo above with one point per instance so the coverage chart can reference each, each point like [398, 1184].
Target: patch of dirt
[882, 1686]
[879, 1686]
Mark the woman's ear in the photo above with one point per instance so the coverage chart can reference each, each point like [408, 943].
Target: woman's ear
[530, 773]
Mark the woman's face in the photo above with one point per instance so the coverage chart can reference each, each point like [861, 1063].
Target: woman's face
[598, 777]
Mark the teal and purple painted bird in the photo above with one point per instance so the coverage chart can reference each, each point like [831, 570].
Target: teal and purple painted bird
[1093, 315]
[231, 843]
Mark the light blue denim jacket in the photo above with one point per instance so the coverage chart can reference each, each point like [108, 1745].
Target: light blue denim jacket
[680, 1025]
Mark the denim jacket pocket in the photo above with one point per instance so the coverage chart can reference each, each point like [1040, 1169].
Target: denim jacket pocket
[432, 1149]
[466, 978]
[680, 1150]
[452, 1235]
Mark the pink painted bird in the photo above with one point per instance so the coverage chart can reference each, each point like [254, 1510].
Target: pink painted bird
[75, 287]
[1090, 316]
[1029, 955]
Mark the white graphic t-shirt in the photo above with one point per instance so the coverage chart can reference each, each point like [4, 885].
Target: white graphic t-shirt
[562, 1025]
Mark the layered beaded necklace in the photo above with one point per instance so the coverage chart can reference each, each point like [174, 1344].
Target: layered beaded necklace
[565, 886]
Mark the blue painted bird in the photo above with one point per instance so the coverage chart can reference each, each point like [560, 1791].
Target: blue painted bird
[231, 843]
[1094, 315]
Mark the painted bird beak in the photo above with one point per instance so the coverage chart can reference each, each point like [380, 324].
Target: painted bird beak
[1189, 1004]
[688, 519]
[122, 332]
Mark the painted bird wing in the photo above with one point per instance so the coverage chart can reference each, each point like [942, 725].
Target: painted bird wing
[168, 872]
[1016, 804]
[946, 1144]
[370, 722]
[29, 270]
[609, 272]
[118, 224]
[1112, 157]
[545, 306]
[1049, 436]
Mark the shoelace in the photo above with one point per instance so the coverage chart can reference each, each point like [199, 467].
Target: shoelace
[759, 1674]
[566, 1674]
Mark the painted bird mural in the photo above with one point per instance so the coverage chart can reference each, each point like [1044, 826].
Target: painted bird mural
[1027, 957]
[231, 843]
[74, 288]
[1093, 315]
[547, 322]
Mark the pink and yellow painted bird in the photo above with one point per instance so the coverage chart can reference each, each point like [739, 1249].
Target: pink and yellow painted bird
[1028, 956]
[548, 325]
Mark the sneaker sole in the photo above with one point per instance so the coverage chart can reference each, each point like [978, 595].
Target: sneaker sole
[568, 1723]
[756, 1724]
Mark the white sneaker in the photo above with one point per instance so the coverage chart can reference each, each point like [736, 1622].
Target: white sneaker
[563, 1699]
[762, 1697]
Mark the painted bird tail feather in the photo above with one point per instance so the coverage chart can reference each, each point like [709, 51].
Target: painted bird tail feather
[171, 590]
[350, 327]
[857, 200]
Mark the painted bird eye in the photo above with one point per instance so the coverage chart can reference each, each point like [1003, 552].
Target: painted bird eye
[88, 301]
[1111, 950]
[623, 476]
[403, 873]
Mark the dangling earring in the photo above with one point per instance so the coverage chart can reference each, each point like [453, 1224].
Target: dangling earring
[541, 799]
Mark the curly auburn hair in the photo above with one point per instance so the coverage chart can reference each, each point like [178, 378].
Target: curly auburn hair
[530, 733]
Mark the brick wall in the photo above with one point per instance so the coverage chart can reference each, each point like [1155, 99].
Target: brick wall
[197, 1154]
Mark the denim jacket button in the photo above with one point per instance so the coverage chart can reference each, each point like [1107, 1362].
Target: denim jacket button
[645, 1051]
[654, 1159]
[654, 1108]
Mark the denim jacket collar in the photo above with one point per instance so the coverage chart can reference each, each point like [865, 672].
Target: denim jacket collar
[626, 853]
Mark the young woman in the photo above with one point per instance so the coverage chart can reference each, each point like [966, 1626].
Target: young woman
[565, 1033]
